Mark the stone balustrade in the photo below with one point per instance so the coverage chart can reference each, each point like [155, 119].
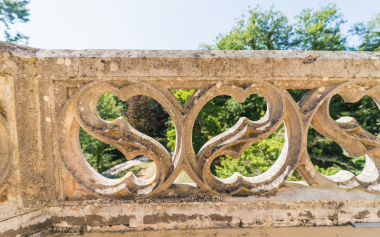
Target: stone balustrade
[48, 186]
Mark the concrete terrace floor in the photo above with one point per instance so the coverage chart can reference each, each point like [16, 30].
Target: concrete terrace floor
[345, 231]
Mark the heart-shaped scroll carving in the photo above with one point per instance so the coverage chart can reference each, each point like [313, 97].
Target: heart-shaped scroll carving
[244, 134]
[354, 140]
[117, 133]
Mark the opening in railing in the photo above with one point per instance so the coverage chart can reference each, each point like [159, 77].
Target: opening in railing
[145, 115]
[254, 160]
[4, 196]
[329, 158]
[5, 150]
[365, 111]
[339, 146]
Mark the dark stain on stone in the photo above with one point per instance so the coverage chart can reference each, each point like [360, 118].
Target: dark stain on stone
[218, 217]
[343, 212]
[102, 61]
[77, 222]
[361, 215]
[288, 214]
[259, 222]
[180, 218]
[92, 220]
[25, 231]
[378, 214]
[307, 214]
[304, 222]
[333, 217]
[310, 59]
[340, 205]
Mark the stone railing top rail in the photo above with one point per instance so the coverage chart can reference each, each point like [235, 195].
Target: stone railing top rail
[127, 53]
[288, 69]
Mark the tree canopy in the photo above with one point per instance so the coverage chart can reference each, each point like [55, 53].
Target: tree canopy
[261, 30]
[369, 33]
[10, 13]
[270, 30]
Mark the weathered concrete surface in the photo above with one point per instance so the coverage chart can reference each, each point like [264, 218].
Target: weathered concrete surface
[341, 231]
[46, 95]
[292, 206]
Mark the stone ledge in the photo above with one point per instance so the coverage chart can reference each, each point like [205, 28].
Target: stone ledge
[307, 207]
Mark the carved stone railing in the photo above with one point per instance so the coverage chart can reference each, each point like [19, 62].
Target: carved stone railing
[47, 95]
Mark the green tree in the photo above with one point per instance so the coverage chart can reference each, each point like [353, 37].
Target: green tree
[369, 34]
[206, 125]
[10, 13]
[320, 30]
[147, 116]
[254, 160]
[99, 155]
[110, 107]
[262, 30]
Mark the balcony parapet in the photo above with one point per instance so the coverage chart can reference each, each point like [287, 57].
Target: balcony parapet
[47, 95]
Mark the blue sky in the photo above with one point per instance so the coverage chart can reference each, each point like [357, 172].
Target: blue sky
[156, 24]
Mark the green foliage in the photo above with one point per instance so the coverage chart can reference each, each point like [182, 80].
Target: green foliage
[320, 30]
[329, 171]
[183, 95]
[369, 33]
[110, 107]
[206, 124]
[254, 160]
[147, 116]
[297, 94]
[365, 111]
[262, 30]
[270, 30]
[10, 13]
[100, 155]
